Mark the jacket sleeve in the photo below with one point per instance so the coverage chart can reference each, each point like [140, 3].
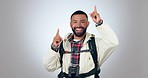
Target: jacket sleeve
[51, 60]
[107, 43]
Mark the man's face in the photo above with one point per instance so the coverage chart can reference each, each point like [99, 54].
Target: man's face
[79, 24]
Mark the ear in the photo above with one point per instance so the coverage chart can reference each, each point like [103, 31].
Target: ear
[88, 23]
[70, 24]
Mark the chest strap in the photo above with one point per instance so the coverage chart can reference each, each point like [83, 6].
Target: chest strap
[93, 51]
[83, 75]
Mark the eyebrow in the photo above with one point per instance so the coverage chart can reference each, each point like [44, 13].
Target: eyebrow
[80, 20]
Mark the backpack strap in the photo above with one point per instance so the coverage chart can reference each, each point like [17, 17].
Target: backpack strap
[93, 51]
[61, 51]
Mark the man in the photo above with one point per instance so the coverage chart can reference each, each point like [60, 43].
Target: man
[83, 53]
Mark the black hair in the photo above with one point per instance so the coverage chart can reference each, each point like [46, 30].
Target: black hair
[79, 12]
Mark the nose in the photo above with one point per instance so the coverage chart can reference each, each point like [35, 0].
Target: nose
[78, 24]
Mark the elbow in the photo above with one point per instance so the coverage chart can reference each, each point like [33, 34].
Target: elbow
[115, 42]
[48, 66]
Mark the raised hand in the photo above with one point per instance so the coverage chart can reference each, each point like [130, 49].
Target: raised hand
[57, 39]
[95, 15]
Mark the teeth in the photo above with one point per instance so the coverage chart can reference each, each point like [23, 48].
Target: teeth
[78, 29]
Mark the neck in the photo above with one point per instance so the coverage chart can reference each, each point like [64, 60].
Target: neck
[79, 38]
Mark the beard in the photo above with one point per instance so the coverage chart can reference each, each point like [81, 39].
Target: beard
[79, 34]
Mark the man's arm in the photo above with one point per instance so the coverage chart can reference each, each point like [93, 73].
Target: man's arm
[107, 43]
[109, 40]
[51, 60]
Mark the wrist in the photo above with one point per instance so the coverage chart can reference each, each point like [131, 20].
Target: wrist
[100, 22]
[54, 48]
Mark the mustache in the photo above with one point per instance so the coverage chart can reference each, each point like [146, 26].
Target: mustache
[79, 27]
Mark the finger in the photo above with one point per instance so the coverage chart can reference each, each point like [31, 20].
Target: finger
[95, 9]
[90, 14]
[57, 41]
[58, 38]
[57, 32]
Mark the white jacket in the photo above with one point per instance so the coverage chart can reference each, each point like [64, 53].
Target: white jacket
[105, 46]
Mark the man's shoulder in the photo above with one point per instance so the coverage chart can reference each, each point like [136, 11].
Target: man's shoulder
[88, 35]
[67, 36]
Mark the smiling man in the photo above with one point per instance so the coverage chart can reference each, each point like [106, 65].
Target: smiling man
[79, 23]
[81, 54]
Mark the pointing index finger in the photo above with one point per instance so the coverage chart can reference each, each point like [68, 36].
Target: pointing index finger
[57, 32]
[95, 9]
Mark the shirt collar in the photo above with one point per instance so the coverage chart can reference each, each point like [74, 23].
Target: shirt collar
[71, 38]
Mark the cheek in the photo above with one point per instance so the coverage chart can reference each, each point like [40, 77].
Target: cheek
[87, 24]
[84, 25]
[72, 25]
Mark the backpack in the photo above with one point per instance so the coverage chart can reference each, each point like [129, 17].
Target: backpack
[92, 50]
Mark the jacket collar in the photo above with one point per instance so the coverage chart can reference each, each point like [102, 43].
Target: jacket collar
[69, 37]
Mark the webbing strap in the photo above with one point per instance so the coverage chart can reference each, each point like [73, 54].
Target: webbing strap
[92, 46]
[70, 52]
[93, 50]
[83, 75]
[61, 51]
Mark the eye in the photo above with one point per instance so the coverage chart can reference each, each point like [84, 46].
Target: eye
[83, 21]
[74, 22]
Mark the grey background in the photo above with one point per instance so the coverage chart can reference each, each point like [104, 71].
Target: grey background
[27, 28]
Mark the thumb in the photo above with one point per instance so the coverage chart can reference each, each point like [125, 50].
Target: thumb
[91, 15]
